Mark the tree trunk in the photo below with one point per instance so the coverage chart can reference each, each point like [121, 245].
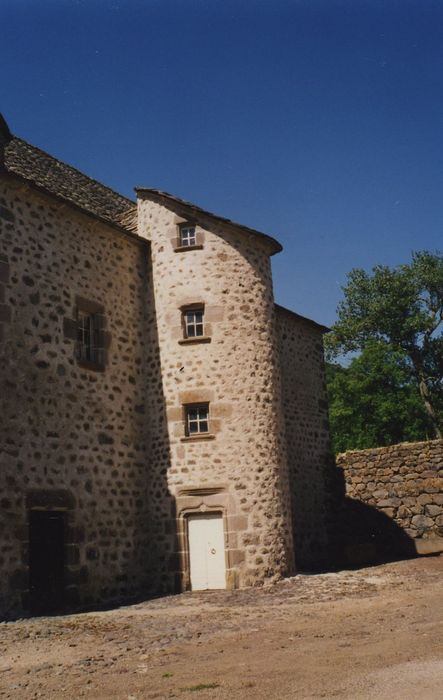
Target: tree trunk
[426, 396]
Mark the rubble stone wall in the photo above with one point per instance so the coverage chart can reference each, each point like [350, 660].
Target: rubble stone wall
[305, 410]
[90, 443]
[240, 469]
[107, 444]
[404, 485]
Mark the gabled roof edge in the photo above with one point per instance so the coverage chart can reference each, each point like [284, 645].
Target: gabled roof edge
[275, 246]
[318, 326]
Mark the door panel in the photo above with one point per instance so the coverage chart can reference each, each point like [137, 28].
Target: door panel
[206, 551]
[46, 560]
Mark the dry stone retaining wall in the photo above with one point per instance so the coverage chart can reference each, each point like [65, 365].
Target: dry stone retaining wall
[403, 484]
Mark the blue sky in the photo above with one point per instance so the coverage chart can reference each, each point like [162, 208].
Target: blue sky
[317, 121]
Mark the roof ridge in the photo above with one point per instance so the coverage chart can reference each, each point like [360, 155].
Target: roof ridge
[72, 168]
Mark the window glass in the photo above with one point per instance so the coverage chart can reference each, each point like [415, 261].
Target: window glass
[193, 319]
[197, 419]
[87, 337]
[187, 236]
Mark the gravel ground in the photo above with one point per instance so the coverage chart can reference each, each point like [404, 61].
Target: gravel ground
[371, 633]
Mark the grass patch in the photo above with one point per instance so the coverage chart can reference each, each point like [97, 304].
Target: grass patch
[202, 686]
[167, 675]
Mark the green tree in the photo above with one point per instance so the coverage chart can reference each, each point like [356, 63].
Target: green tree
[374, 400]
[403, 308]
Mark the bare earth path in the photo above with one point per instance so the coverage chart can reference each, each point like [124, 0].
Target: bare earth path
[373, 633]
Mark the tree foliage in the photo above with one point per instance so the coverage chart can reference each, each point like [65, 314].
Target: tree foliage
[374, 401]
[401, 310]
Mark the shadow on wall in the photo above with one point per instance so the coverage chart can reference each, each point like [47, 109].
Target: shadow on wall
[371, 537]
[156, 537]
[364, 535]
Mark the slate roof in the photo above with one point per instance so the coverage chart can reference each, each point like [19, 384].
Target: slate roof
[52, 175]
[193, 209]
[33, 165]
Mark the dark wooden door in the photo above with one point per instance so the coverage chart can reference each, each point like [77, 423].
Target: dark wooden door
[46, 560]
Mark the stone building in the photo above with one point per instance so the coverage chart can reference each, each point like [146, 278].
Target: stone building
[163, 421]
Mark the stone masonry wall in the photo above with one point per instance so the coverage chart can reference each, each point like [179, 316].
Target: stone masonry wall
[307, 433]
[401, 489]
[90, 443]
[240, 468]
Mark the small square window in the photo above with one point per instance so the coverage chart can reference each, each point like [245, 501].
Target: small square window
[188, 236]
[193, 322]
[88, 338]
[197, 419]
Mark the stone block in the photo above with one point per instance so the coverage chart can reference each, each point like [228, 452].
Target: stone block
[214, 314]
[390, 512]
[5, 313]
[433, 510]
[250, 538]
[70, 328]
[403, 512]
[221, 410]
[238, 523]
[236, 557]
[191, 396]
[425, 498]
[175, 413]
[429, 545]
[422, 522]
[4, 271]
[389, 503]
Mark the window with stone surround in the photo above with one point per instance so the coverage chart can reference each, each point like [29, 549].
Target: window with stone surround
[87, 329]
[88, 338]
[194, 327]
[193, 322]
[187, 235]
[197, 419]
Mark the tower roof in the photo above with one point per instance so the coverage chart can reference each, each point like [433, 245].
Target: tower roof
[192, 210]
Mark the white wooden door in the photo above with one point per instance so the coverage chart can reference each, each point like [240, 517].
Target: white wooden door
[206, 551]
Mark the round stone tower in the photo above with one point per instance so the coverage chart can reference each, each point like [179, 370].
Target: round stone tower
[227, 468]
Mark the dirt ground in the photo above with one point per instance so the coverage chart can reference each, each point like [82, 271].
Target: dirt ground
[372, 633]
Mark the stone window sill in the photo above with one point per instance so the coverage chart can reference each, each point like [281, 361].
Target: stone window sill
[197, 438]
[194, 340]
[94, 366]
[183, 248]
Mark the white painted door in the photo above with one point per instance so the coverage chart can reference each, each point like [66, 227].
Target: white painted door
[206, 551]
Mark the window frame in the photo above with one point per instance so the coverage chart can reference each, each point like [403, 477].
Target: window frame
[88, 330]
[202, 406]
[186, 339]
[90, 338]
[193, 309]
[191, 240]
